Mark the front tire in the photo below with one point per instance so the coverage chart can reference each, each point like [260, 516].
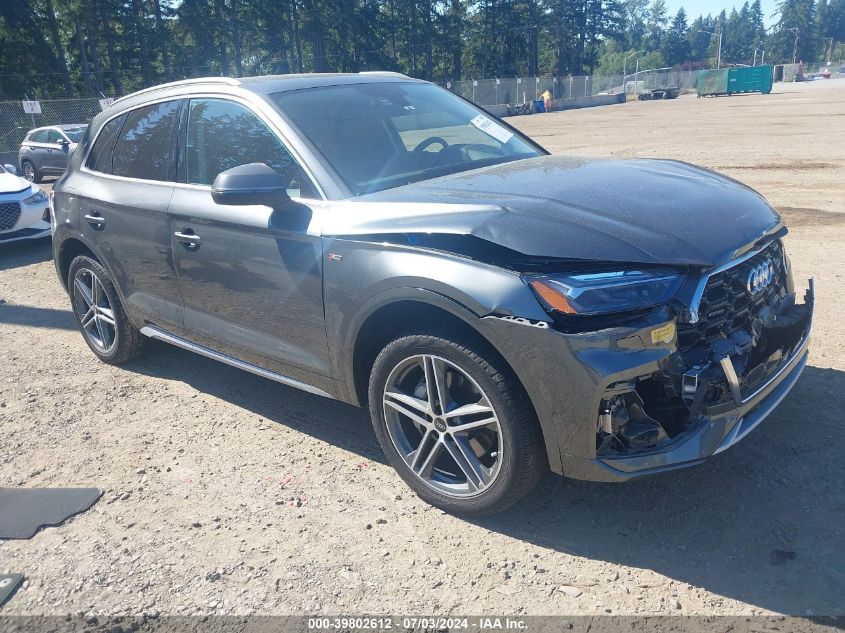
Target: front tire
[31, 173]
[102, 320]
[455, 423]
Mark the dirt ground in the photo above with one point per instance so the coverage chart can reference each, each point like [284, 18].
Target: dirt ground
[228, 493]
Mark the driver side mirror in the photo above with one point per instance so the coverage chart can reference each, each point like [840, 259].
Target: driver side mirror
[254, 183]
[65, 144]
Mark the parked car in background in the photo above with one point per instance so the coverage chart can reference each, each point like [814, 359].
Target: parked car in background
[377, 239]
[45, 150]
[24, 208]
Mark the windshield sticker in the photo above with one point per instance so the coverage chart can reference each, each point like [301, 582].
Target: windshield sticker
[491, 128]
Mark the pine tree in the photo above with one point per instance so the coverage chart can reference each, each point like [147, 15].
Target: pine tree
[794, 35]
[676, 46]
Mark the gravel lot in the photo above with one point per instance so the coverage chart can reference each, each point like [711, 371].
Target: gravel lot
[227, 493]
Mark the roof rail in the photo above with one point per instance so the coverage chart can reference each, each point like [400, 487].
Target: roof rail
[229, 81]
[387, 73]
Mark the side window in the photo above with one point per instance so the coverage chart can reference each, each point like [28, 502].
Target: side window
[223, 134]
[53, 136]
[144, 148]
[39, 137]
[99, 159]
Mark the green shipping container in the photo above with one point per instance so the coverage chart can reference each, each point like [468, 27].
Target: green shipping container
[750, 79]
[728, 81]
[712, 82]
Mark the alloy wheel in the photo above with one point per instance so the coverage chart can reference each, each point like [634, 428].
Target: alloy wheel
[94, 310]
[443, 425]
[29, 172]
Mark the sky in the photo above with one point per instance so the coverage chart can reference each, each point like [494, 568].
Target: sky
[694, 8]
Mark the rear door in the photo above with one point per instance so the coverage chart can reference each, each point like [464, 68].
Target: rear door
[37, 149]
[123, 203]
[251, 279]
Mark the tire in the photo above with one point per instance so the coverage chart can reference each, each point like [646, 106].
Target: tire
[469, 368]
[107, 329]
[30, 173]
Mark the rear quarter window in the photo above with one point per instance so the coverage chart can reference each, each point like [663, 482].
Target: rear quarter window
[144, 147]
[99, 159]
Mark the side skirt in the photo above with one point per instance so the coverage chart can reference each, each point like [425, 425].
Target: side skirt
[159, 334]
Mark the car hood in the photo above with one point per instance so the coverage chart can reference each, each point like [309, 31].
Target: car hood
[639, 210]
[9, 183]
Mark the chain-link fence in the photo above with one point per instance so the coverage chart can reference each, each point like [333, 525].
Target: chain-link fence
[15, 122]
[488, 92]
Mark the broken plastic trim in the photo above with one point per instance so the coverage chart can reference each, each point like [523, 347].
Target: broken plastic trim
[730, 372]
[543, 325]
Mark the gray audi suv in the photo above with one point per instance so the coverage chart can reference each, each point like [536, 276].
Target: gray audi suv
[377, 239]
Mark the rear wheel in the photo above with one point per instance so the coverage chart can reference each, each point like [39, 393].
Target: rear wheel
[455, 423]
[30, 173]
[100, 314]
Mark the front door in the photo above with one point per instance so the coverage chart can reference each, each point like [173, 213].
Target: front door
[250, 276]
[56, 156]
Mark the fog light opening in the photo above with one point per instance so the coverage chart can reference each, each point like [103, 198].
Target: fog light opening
[640, 415]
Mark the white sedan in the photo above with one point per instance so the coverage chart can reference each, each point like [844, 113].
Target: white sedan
[24, 208]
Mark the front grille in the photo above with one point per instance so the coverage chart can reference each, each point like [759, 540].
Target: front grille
[9, 214]
[727, 305]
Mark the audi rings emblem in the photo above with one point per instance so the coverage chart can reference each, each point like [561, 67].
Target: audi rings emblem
[760, 277]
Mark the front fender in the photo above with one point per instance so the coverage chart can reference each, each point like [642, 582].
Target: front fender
[360, 278]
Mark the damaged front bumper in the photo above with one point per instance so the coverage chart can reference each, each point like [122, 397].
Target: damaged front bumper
[719, 427]
[574, 377]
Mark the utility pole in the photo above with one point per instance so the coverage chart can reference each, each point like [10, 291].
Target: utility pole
[794, 43]
[717, 34]
[625, 67]
[719, 53]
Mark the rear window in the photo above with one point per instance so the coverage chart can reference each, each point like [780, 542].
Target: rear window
[144, 147]
[99, 159]
[74, 133]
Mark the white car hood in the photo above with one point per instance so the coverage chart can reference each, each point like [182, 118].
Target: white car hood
[9, 183]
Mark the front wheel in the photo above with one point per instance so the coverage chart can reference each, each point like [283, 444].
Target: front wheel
[30, 173]
[455, 423]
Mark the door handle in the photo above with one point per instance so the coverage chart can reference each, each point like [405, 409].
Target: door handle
[191, 241]
[95, 220]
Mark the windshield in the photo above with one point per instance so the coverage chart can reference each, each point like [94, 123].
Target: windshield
[74, 133]
[382, 135]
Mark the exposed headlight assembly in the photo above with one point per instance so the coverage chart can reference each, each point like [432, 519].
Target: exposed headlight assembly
[37, 198]
[604, 292]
